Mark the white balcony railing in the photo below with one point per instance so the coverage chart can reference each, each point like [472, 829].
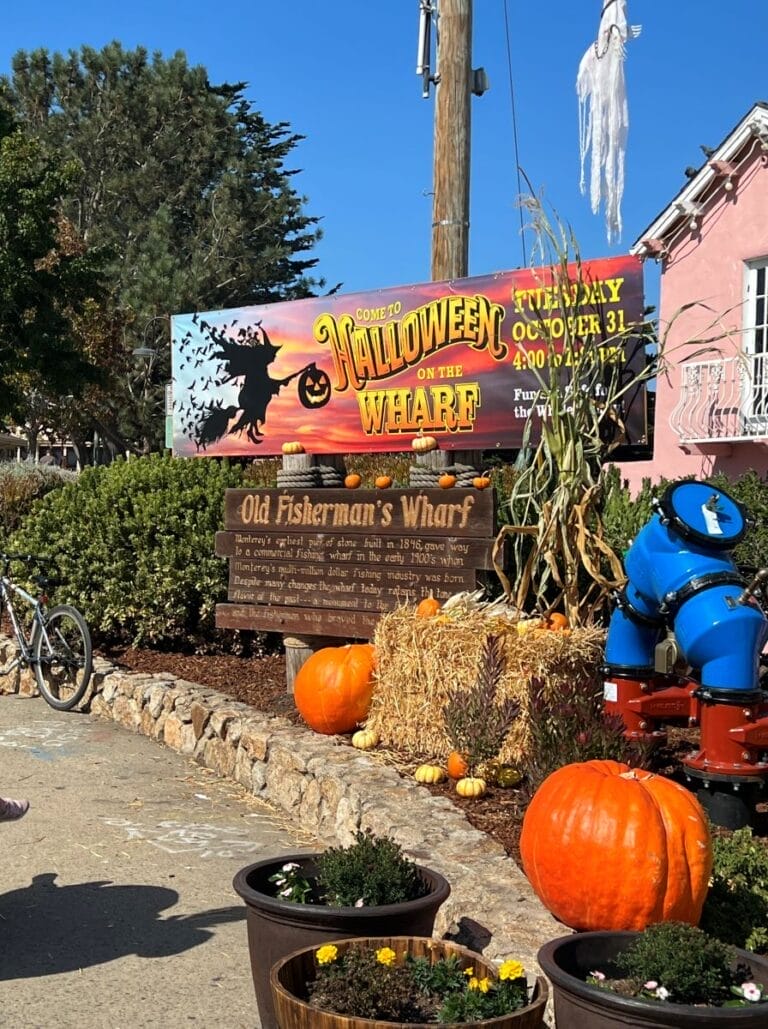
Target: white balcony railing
[723, 400]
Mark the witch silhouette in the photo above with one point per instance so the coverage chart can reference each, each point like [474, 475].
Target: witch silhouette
[248, 360]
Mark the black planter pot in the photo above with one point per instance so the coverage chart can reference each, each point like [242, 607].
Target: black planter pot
[277, 927]
[568, 960]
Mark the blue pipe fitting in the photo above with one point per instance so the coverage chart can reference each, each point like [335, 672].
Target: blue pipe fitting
[680, 573]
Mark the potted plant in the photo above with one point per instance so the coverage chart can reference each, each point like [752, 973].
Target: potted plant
[402, 981]
[672, 974]
[303, 900]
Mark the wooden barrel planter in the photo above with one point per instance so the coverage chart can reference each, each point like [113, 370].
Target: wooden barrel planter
[290, 977]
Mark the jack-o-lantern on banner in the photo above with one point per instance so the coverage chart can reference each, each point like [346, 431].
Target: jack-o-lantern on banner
[459, 360]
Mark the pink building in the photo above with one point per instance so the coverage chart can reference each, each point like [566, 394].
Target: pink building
[712, 242]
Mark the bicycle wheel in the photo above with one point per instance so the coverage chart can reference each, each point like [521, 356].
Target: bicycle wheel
[63, 656]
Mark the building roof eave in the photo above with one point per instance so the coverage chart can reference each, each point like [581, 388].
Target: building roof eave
[650, 242]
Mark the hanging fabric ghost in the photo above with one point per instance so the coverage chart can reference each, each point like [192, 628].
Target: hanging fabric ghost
[603, 113]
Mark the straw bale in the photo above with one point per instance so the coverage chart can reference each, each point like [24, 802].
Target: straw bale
[421, 659]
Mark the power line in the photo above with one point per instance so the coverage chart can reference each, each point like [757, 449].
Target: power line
[514, 126]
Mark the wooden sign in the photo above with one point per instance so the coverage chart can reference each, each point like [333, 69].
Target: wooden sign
[330, 561]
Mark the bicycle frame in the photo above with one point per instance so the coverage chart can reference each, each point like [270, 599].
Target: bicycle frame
[26, 646]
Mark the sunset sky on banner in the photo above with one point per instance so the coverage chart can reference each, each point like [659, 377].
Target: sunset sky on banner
[443, 357]
[343, 75]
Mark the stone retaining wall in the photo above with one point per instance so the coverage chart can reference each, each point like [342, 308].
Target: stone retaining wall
[331, 791]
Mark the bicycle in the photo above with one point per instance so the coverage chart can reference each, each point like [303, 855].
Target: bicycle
[57, 645]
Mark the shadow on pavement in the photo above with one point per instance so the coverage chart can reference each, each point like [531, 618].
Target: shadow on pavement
[47, 928]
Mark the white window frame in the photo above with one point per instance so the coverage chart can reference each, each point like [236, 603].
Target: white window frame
[755, 345]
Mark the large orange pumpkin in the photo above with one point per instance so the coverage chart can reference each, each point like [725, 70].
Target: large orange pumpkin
[606, 846]
[333, 687]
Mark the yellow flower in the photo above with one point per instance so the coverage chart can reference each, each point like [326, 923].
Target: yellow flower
[483, 985]
[386, 956]
[469, 971]
[474, 983]
[511, 970]
[325, 955]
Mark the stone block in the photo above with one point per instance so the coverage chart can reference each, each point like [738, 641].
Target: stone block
[126, 713]
[220, 756]
[178, 735]
[199, 714]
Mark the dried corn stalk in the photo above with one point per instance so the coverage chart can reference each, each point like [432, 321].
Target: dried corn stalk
[559, 553]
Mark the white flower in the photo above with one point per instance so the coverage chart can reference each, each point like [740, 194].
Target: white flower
[598, 975]
[662, 993]
[279, 880]
[360, 903]
[290, 866]
[751, 991]
[286, 892]
[651, 985]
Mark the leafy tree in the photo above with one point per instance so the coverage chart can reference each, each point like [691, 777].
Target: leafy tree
[49, 281]
[185, 183]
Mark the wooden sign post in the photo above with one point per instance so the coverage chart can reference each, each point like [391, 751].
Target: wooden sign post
[328, 562]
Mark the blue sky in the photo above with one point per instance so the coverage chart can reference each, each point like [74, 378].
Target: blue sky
[343, 75]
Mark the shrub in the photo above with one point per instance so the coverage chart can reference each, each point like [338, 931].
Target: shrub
[21, 484]
[373, 870]
[752, 491]
[573, 728]
[736, 908]
[134, 543]
[625, 515]
[261, 473]
[368, 466]
[694, 967]
[476, 723]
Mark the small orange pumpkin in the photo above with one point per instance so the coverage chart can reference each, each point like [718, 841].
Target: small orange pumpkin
[352, 481]
[292, 448]
[334, 686]
[606, 846]
[481, 482]
[456, 765]
[446, 481]
[557, 622]
[382, 481]
[428, 607]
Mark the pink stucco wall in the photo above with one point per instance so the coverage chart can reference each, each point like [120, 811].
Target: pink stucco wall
[707, 267]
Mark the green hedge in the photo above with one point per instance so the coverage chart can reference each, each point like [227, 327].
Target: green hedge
[134, 543]
[21, 484]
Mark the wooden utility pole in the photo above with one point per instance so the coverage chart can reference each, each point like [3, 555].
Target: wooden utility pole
[450, 207]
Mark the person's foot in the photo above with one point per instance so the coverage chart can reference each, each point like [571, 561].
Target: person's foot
[10, 810]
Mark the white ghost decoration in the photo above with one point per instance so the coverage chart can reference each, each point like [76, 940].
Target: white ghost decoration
[603, 113]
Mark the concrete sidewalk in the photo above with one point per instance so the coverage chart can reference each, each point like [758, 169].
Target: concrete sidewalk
[116, 904]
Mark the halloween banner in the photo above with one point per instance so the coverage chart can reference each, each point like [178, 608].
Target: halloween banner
[461, 360]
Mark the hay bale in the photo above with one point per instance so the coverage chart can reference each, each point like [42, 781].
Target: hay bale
[420, 660]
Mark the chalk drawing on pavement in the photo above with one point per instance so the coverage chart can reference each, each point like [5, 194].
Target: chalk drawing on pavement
[40, 738]
[199, 838]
